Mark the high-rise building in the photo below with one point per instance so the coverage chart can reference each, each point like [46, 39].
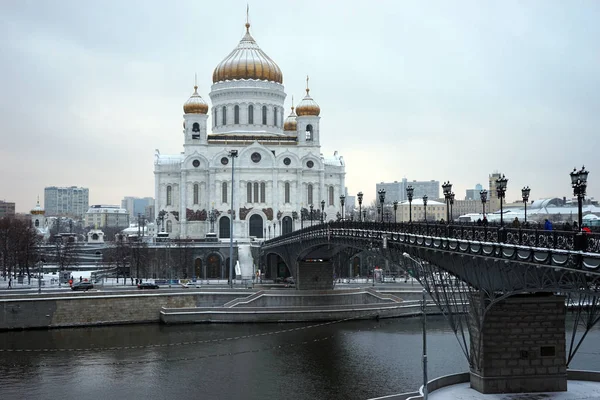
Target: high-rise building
[474, 194]
[70, 201]
[136, 205]
[7, 209]
[396, 191]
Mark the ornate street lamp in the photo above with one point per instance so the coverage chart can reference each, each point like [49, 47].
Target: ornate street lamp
[447, 188]
[579, 184]
[161, 218]
[360, 197]
[451, 206]
[311, 214]
[501, 191]
[342, 202]
[212, 216]
[395, 209]
[409, 193]
[425, 206]
[381, 200]
[233, 154]
[483, 196]
[322, 209]
[364, 215]
[525, 194]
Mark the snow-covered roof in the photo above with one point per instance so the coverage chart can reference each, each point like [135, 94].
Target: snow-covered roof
[336, 160]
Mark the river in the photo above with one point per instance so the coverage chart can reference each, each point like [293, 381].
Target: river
[346, 360]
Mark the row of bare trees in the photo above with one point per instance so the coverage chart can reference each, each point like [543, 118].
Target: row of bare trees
[19, 251]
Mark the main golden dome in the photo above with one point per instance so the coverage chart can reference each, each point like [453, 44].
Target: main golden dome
[195, 104]
[247, 61]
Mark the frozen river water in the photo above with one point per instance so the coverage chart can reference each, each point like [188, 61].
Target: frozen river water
[349, 360]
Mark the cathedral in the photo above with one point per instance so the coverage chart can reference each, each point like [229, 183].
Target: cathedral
[244, 163]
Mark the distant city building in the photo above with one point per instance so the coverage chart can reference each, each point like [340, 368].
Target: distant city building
[70, 201]
[136, 205]
[7, 209]
[474, 194]
[103, 216]
[461, 207]
[396, 191]
[435, 210]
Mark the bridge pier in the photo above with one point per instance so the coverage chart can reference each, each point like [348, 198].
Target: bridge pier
[520, 346]
[314, 275]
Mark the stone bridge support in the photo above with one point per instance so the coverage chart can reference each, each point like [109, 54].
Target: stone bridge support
[314, 275]
[521, 345]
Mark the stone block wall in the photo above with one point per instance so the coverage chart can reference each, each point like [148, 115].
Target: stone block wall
[520, 346]
[314, 275]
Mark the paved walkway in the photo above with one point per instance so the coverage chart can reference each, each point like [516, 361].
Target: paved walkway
[577, 390]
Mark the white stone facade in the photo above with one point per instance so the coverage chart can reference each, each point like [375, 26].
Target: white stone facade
[277, 172]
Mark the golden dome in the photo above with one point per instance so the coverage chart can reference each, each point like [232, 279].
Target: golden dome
[308, 106]
[290, 123]
[37, 210]
[247, 61]
[195, 104]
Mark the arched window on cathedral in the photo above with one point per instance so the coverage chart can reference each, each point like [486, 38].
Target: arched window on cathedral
[236, 114]
[264, 115]
[256, 192]
[309, 198]
[250, 114]
[224, 116]
[275, 116]
[331, 197]
[263, 192]
[286, 193]
[196, 190]
[169, 226]
[169, 196]
[196, 127]
[224, 192]
[249, 192]
[309, 133]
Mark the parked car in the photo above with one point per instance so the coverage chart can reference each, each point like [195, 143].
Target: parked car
[148, 285]
[82, 286]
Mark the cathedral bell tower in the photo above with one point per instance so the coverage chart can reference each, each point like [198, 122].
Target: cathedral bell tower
[194, 120]
[308, 120]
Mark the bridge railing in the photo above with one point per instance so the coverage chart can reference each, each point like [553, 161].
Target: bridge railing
[556, 239]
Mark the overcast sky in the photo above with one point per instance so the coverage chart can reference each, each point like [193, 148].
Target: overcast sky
[444, 90]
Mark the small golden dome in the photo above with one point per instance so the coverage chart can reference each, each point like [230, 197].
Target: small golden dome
[37, 210]
[195, 104]
[290, 123]
[308, 106]
[247, 61]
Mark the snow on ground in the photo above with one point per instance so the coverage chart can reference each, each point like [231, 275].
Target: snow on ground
[577, 390]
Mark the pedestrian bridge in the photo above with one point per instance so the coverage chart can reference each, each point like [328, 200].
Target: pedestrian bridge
[503, 290]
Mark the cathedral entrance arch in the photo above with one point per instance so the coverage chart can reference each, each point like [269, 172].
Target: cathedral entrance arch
[224, 230]
[213, 267]
[256, 226]
[286, 225]
[198, 268]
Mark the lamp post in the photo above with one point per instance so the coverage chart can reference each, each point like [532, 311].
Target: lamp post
[364, 215]
[161, 219]
[233, 154]
[451, 207]
[342, 202]
[483, 196]
[395, 211]
[579, 184]
[525, 194]
[447, 188]
[409, 193]
[322, 209]
[311, 214]
[212, 216]
[360, 197]
[381, 200]
[425, 206]
[501, 191]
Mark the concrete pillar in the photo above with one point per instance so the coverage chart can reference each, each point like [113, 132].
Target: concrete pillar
[521, 345]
